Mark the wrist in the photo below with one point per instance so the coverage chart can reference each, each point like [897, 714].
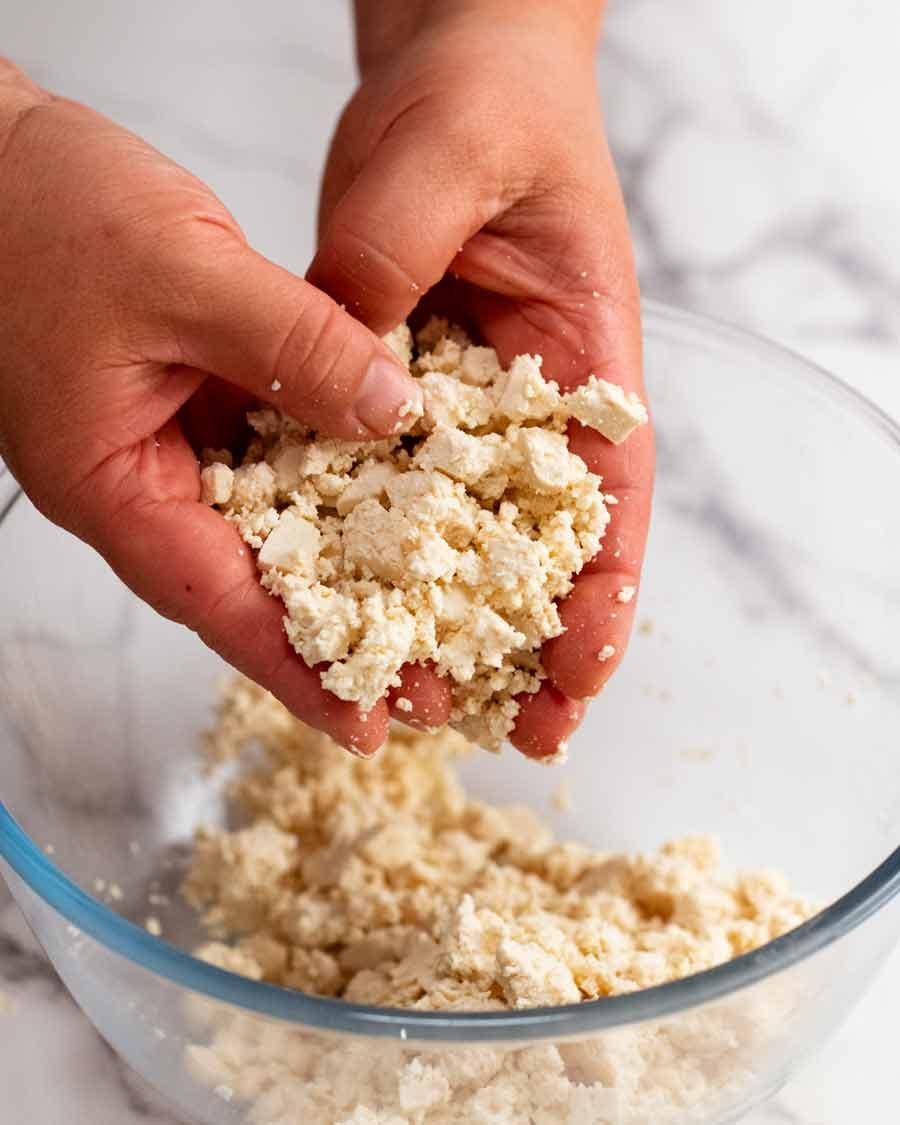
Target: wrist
[387, 27]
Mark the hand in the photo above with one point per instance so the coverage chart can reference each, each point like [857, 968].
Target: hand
[135, 318]
[472, 163]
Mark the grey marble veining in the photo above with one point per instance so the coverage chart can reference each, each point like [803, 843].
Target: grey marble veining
[755, 145]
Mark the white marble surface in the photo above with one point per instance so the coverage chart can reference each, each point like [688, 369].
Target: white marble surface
[757, 148]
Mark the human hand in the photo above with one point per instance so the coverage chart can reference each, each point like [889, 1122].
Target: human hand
[136, 318]
[472, 163]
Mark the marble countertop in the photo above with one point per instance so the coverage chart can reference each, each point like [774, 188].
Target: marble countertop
[754, 144]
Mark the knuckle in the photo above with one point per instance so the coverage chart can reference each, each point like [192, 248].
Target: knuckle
[375, 269]
[312, 351]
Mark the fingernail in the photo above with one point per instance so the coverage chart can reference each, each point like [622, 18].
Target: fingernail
[389, 401]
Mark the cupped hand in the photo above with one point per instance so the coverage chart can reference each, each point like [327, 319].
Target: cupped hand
[472, 163]
[136, 318]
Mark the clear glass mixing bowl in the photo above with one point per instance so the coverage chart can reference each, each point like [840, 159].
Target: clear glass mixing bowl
[763, 705]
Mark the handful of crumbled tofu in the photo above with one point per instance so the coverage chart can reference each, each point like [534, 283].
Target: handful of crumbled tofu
[451, 544]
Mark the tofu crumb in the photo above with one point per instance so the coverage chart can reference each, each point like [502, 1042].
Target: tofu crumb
[626, 594]
[562, 797]
[452, 545]
[382, 883]
[647, 627]
[153, 926]
[404, 704]
[276, 384]
[49, 849]
[606, 653]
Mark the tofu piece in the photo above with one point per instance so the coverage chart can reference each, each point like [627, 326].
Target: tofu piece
[546, 463]
[431, 560]
[253, 486]
[293, 544]
[321, 623]
[479, 366]
[368, 484]
[461, 456]
[522, 394]
[399, 340]
[376, 541]
[606, 408]
[449, 402]
[216, 484]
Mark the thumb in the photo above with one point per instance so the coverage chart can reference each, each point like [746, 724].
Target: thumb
[254, 324]
[392, 233]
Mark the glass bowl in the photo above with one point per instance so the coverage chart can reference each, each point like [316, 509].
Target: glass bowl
[759, 702]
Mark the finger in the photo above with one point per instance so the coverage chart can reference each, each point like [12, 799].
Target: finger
[400, 223]
[140, 509]
[423, 698]
[597, 623]
[544, 723]
[236, 314]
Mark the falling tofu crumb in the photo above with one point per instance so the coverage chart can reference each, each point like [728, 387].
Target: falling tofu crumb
[115, 892]
[626, 594]
[49, 849]
[647, 627]
[606, 653]
[99, 886]
[404, 704]
[382, 883]
[153, 926]
[562, 797]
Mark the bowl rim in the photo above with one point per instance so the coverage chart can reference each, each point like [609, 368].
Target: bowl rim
[130, 941]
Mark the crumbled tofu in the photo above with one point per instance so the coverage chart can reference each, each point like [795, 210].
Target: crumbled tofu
[450, 545]
[153, 926]
[606, 407]
[381, 882]
[626, 594]
[606, 653]
[404, 704]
